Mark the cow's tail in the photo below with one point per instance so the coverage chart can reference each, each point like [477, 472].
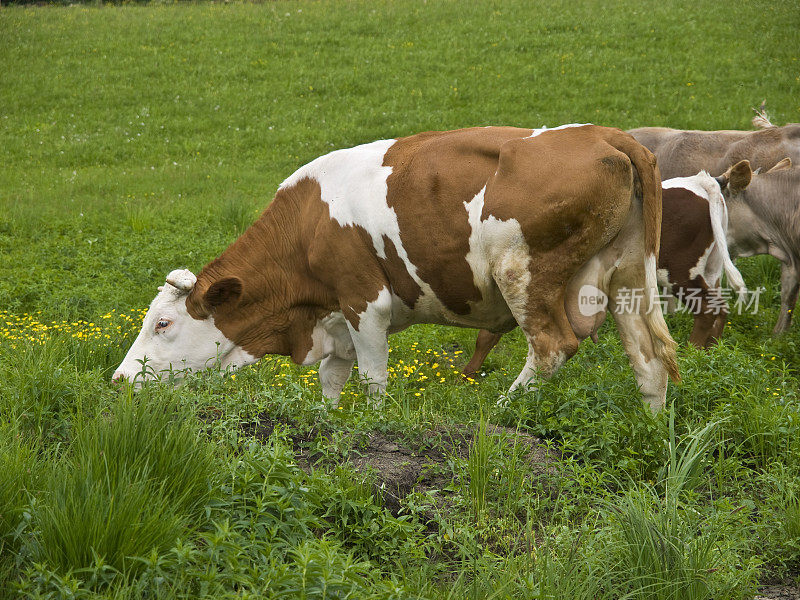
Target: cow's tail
[762, 119]
[718, 211]
[649, 177]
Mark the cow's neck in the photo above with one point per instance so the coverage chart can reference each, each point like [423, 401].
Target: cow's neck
[280, 302]
[773, 201]
[746, 234]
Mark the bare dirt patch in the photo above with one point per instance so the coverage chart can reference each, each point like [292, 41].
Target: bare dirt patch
[402, 466]
[401, 463]
[779, 592]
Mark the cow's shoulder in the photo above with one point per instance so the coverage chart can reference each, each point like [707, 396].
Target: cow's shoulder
[435, 153]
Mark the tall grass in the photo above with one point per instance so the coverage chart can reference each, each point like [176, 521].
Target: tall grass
[156, 437]
[480, 453]
[22, 467]
[135, 478]
[40, 386]
[669, 550]
[92, 518]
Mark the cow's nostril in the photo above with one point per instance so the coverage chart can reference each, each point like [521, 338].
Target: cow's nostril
[118, 378]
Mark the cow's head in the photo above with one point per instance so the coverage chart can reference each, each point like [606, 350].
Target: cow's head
[739, 176]
[173, 341]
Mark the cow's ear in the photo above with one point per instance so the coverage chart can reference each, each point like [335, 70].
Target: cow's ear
[786, 163]
[223, 291]
[739, 176]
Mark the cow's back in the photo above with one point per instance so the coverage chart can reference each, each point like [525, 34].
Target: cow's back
[682, 153]
[764, 149]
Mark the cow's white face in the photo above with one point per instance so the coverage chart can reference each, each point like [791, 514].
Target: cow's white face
[172, 341]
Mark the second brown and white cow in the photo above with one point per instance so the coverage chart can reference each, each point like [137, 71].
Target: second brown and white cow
[694, 251]
[486, 228]
[685, 152]
[692, 256]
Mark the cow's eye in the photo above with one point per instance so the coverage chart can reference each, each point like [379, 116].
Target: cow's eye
[162, 324]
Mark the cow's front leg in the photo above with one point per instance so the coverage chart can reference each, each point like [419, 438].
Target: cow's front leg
[789, 289]
[333, 375]
[370, 334]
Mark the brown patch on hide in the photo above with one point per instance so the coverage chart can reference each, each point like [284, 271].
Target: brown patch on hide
[686, 234]
[433, 175]
[280, 300]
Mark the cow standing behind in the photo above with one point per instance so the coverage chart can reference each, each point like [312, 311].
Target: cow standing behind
[486, 227]
[765, 219]
[694, 252]
[682, 153]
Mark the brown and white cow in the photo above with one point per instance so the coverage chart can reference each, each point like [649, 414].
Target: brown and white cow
[486, 228]
[694, 252]
[681, 153]
[692, 257]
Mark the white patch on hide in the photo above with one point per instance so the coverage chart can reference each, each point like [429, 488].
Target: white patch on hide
[702, 268]
[541, 130]
[353, 183]
[330, 337]
[662, 276]
[510, 259]
[371, 341]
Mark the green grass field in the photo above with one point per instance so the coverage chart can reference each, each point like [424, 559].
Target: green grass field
[138, 139]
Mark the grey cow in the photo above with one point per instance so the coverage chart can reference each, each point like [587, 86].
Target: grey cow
[765, 217]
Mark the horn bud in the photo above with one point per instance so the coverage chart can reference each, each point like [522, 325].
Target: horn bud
[182, 279]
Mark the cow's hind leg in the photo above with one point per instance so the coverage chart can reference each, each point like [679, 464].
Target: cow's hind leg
[702, 329]
[484, 343]
[651, 376]
[719, 325]
[708, 323]
[789, 291]
[537, 304]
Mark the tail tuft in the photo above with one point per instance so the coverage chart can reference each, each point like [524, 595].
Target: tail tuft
[762, 119]
[718, 212]
[664, 346]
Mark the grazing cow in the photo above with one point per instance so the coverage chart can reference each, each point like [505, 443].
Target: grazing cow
[487, 227]
[682, 153]
[694, 252]
[691, 258]
[765, 219]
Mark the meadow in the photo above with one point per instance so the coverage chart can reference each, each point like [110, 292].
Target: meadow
[136, 139]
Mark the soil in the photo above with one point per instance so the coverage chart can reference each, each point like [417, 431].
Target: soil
[779, 592]
[402, 466]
